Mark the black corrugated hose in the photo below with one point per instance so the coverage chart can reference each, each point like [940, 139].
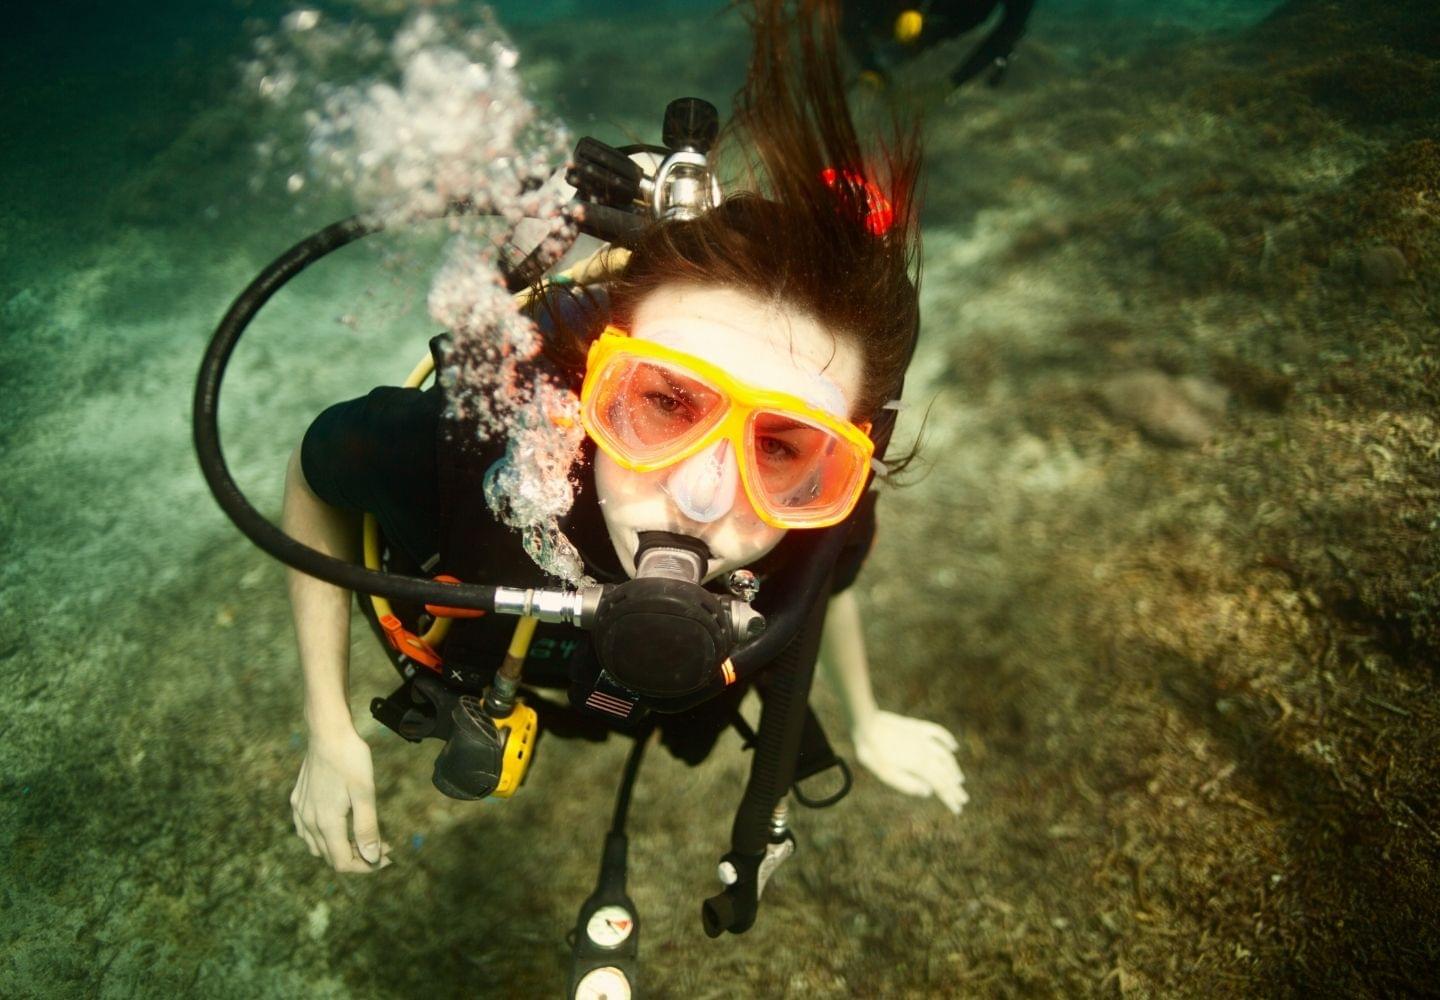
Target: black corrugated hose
[782, 721]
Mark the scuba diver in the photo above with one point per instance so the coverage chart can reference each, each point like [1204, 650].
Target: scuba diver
[738, 358]
[882, 35]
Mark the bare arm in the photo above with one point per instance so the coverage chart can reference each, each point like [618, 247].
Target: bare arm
[337, 776]
[843, 660]
[321, 611]
[912, 755]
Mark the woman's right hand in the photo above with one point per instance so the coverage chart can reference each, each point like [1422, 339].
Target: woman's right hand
[337, 779]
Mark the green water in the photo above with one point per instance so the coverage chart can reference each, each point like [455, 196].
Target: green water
[1188, 647]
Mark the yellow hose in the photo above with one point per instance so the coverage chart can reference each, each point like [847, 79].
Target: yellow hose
[520, 640]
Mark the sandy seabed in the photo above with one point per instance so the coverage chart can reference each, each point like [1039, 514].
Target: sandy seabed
[1172, 573]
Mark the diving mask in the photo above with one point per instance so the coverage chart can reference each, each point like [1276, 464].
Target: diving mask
[649, 406]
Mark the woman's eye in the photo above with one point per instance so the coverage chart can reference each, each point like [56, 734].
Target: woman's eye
[665, 403]
[773, 447]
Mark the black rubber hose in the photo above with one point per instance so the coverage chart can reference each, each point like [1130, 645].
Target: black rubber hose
[206, 426]
[717, 914]
[782, 723]
[813, 563]
[627, 780]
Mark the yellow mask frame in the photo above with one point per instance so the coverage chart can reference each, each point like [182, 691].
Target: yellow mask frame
[742, 401]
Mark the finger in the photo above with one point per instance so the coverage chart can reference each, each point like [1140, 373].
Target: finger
[896, 776]
[946, 795]
[318, 839]
[925, 729]
[941, 764]
[950, 789]
[296, 797]
[351, 863]
[339, 851]
[935, 767]
[355, 864]
[310, 844]
[334, 841]
[952, 792]
[906, 781]
[310, 830]
[952, 798]
[367, 825]
[941, 735]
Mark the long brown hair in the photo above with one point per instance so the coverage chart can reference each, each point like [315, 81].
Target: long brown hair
[811, 228]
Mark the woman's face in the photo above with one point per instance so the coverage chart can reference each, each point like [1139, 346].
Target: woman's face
[763, 345]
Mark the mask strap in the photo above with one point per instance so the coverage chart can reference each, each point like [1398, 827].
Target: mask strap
[877, 466]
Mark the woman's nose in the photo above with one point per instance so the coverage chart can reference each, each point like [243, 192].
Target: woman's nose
[703, 486]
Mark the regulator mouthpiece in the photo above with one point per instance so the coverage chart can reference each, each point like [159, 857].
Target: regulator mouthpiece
[663, 635]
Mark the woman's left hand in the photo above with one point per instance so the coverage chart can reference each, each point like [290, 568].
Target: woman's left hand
[912, 755]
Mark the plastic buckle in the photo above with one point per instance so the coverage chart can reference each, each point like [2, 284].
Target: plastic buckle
[442, 611]
[408, 644]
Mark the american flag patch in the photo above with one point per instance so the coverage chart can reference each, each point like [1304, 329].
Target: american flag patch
[602, 702]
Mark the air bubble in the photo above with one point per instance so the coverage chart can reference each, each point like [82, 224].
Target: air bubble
[444, 119]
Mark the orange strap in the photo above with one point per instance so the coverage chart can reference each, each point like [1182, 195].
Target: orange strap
[409, 644]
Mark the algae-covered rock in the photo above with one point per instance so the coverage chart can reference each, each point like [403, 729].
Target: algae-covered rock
[1252, 383]
[1210, 398]
[1374, 85]
[1194, 250]
[1176, 411]
[1390, 202]
[1383, 266]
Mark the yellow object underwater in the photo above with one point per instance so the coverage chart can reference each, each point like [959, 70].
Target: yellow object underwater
[908, 26]
[517, 732]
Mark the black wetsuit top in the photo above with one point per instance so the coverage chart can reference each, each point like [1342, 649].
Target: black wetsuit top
[394, 454]
[868, 28]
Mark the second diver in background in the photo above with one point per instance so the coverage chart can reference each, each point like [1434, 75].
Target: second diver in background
[883, 35]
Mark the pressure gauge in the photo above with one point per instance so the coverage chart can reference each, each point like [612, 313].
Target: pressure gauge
[605, 983]
[609, 926]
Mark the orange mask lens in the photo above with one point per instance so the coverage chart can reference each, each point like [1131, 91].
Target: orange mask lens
[802, 471]
[648, 409]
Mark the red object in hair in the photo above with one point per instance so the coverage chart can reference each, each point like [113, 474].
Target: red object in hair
[881, 214]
